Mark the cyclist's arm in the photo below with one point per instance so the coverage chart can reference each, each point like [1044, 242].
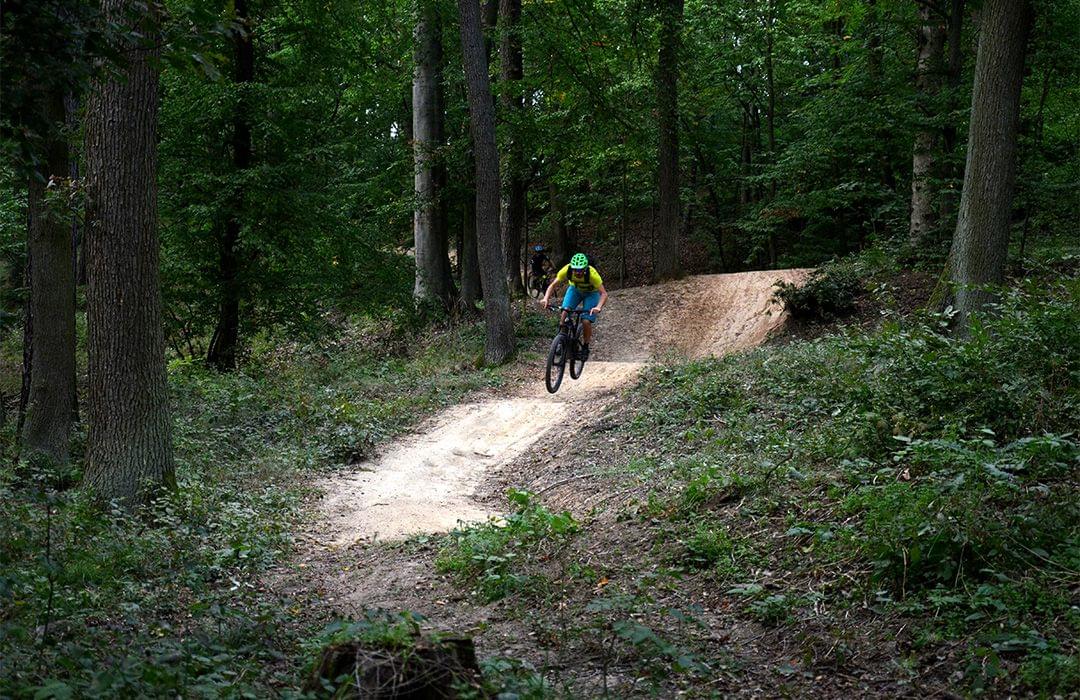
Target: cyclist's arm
[550, 291]
[603, 300]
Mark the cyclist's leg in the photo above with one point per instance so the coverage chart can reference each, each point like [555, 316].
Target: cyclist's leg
[589, 303]
[572, 299]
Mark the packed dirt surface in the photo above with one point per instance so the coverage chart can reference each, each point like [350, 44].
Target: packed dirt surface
[430, 481]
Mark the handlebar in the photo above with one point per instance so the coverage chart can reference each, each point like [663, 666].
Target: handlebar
[552, 307]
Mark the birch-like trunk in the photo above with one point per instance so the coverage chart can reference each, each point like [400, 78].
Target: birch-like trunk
[433, 276]
[930, 41]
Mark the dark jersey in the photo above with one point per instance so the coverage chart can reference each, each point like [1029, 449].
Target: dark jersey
[536, 263]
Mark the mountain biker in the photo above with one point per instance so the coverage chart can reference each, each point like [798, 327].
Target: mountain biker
[586, 290]
[539, 262]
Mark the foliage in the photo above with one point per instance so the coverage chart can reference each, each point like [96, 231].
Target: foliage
[322, 206]
[946, 466]
[487, 555]
[832, 290]
[826, 295]
[171, 599]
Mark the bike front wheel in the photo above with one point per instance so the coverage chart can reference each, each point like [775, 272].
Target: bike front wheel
[556, 363]
[577, 362]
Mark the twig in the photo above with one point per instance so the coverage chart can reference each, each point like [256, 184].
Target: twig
[568, 479]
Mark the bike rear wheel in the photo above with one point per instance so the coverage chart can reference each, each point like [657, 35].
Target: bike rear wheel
[556, 363]
[577, 362]
[535, 286]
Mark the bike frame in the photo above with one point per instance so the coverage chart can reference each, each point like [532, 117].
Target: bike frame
[571, 325]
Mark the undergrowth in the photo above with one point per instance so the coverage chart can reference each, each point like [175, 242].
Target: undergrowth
[944, 469]
[491, 556]
[169, 600]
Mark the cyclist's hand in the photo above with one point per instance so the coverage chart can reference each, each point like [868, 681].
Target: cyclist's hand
[544, 303]
[596, 310]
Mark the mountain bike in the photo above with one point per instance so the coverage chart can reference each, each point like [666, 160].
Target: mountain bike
[565, 348]
[535, 285]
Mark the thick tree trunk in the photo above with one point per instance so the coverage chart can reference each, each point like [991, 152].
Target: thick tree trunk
[511, 72]
[666, 256]
[500, 328]
[433, 276]
[50, 396]
[931, 41]
[223, 344]
[129, 445]
[980, 246]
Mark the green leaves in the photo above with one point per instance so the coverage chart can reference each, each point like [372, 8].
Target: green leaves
[496, 556]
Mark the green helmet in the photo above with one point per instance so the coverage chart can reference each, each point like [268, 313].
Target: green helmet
[579, 261]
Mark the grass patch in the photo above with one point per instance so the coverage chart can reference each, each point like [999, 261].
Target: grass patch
[498, 558]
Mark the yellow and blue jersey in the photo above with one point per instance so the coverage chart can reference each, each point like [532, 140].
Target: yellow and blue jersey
[586, 280]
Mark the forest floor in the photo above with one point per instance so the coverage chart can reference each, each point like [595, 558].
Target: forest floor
[678, 524]
[374, 544]
[430, 481]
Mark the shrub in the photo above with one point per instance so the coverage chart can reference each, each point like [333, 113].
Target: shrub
[829, 293]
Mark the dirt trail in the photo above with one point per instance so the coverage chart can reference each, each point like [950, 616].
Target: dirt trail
[427, 482]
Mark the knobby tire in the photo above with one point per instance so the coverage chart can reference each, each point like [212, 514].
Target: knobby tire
[577, 362]
[556, 363]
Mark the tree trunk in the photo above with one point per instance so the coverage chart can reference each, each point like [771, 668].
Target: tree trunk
[770, 82]
[433, 276]
[980, 245]
[930, 40]
[223, 344]
[500, 328]
[470, 267]
[50, 360]
[511, 72]
[954, 71]
[666, 264]
[875, 58]
[560, 233]
[746, 161]
[623, 207]
[129, 445]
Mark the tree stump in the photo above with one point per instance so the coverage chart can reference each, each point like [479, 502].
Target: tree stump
[430, 669]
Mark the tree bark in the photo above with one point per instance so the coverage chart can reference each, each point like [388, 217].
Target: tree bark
[930, 42]
[223, 344]
[770, 82]
[666, 264]
[500, 328]
[954, 71]
[980, 245]
[50, 357]
[129, 445]
[560, 233]
[433, 276]
[470, 266]
[511, 72]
